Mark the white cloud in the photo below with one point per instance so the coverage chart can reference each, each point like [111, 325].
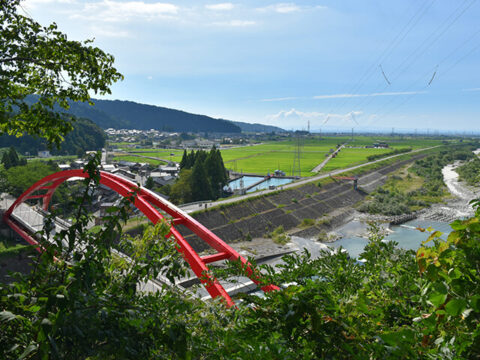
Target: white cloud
[338, 96]
[117, 11]
[282, 8]
[295, 117]
[235, 23]
[220, 7]
[281, 99]
[286, 8]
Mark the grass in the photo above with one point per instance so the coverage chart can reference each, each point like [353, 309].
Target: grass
[138, 159]
[278, 236]
[307, 222]
[9, 247]
[350, 157]
[268, 157]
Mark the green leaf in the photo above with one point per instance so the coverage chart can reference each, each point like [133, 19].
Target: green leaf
[458, 225]
[455, 306]
[475, 302]
[437, 299]
[27, 351]
[6, 316]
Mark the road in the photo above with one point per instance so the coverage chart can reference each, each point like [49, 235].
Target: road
[324, 162]
[143, 156]
[205, 205]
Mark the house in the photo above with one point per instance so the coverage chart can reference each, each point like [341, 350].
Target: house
[169, 169]
[44, 154]
[108, 167]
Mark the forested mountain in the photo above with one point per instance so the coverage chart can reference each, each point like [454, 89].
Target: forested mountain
[85, 136]
[131, 115]
[247, 127]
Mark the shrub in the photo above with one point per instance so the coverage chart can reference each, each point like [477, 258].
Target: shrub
[307, 222]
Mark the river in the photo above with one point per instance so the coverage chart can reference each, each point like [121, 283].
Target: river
[354, 235]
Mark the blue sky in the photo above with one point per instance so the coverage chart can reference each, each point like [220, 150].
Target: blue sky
[338, 64]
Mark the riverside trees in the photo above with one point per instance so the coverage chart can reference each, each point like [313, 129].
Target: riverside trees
[202, 176]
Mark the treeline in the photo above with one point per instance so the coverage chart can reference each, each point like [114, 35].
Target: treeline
[202, 177]
[131, 115]
[10, 159]
[470, 172]
[390, 153]
[390, 200]
[85, 136]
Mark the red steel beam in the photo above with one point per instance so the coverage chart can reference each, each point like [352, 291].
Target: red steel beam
[147, 201]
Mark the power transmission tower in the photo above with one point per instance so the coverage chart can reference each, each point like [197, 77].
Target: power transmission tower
[296, 159]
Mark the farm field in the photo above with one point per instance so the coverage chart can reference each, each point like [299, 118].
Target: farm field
[138, 159]
[350, 157]
[268, 157]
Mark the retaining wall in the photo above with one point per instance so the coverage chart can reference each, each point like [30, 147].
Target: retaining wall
[257, 217]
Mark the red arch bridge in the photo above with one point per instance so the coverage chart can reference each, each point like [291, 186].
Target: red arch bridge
[151, 206]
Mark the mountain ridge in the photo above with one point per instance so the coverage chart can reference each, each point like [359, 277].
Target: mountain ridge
[127, 114]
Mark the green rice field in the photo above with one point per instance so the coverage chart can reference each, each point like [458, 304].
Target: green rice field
[268, 157]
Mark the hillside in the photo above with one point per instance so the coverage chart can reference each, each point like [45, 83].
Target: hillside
[85, 136]
[247, 127]
[131, 115]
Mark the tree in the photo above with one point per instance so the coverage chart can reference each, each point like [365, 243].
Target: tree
[40, 60]
[149, 184]
[216, 171]
[201, 187]
[183, 162]
[10, 159]
[181, 191]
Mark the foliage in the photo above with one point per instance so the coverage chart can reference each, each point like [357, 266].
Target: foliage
[391, 200]
[85, 136]
[470, 172]
[394, 152]
[394, 304]
[10, 159]
[36, 59]
[206, 180]
[131, 115]
[278, 236]
[307, 222]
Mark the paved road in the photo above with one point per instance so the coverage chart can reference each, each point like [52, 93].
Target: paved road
[195, 207]
[324, 162]
[143, 156]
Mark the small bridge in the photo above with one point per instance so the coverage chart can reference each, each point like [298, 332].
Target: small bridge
[151, 205]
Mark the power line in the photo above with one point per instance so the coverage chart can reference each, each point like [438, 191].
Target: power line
[418, 15]
[456, 14]
[414, 20]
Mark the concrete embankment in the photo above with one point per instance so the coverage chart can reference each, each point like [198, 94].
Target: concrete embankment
[256, 217]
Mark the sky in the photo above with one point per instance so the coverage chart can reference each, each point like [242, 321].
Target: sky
[362, 64]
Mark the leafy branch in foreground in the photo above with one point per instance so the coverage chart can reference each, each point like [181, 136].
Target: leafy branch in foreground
[40, 60]
[394, 304]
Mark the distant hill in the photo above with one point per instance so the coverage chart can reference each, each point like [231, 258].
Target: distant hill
[85, 136]
[131, 115]
[247, 127]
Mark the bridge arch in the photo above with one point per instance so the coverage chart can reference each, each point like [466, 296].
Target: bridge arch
[147, 202]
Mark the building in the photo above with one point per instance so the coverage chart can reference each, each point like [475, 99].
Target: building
[44, 154]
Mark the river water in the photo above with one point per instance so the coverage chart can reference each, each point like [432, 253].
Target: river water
[250, 180]
[408, 236]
